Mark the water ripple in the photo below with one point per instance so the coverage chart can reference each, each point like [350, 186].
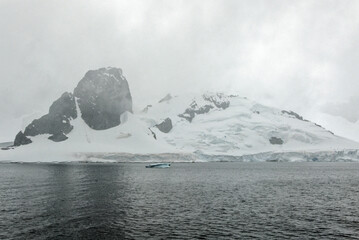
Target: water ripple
[187, 201]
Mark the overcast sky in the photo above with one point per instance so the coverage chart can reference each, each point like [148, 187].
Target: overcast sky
[299, 55]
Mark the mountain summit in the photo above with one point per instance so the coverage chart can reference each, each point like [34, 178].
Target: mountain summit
[102, 96]
[96, 123]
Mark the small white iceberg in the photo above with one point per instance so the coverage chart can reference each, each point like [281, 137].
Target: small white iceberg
[159, 165]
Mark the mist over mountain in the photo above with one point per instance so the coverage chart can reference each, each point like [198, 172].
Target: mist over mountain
[102, 96]
[97, 121]
[344, 109]
[298, 55]
[179, 119]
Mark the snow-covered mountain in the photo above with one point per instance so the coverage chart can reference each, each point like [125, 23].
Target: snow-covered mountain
[98, 125]
[234, 125]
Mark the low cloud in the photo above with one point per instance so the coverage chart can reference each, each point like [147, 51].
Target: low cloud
[294, 55]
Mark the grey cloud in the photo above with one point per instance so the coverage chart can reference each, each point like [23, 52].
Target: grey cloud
[295, 55]
[348, 110]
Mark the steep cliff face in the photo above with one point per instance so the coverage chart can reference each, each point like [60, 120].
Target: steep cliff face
[103, 95]
[57, 121]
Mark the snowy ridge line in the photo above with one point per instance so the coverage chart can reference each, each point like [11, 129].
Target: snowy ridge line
[347, 155]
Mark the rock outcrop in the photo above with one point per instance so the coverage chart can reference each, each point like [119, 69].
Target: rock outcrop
[21, 139]
[218, 100]
[276, 141]
[191, 112]
[103, 95]
[165, 126]
[57, 121]
[294, 114]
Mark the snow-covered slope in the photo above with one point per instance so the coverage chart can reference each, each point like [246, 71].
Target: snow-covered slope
[242, 128]
[339, 125]
[203, 127]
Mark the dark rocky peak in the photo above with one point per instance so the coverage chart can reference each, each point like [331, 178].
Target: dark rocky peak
[57, 121]
[64, 106]
[21, 139]
[101, 77]
[103, 95]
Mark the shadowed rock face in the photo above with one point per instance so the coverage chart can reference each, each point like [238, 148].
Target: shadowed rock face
[165, 126]
[276, 141]
[21, 139]
[58, 137]
[190, 113]
[57, 121]
[103, 95]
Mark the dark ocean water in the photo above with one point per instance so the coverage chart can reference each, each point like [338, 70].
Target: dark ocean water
[186, 201]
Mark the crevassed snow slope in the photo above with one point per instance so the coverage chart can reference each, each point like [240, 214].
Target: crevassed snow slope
[244, 127]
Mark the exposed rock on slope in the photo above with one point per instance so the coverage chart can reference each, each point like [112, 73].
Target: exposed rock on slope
[57, 121]
[276, 140]
[296, 115]
[165, 126]
[21, 139]
[218, 124]
[191, 112]
[218, 100]
[103, 95]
